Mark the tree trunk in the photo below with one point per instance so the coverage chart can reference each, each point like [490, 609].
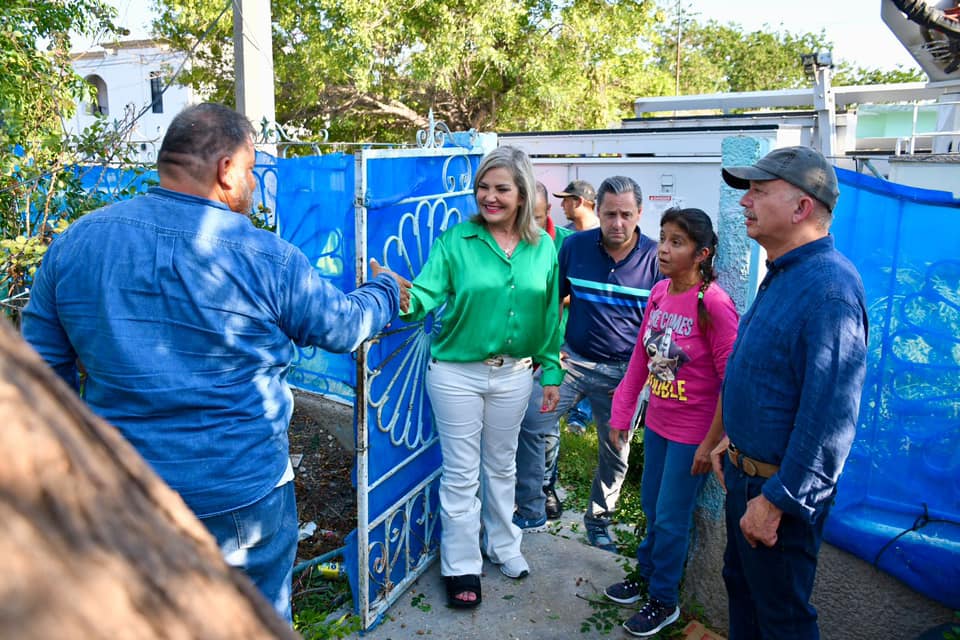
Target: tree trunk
[92, 543]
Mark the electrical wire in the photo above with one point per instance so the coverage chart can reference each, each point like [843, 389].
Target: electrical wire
[922, 520]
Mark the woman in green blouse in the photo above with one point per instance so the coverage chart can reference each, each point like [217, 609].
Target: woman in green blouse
[497, 274]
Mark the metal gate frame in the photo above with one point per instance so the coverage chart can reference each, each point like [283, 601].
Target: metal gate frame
[398, 537]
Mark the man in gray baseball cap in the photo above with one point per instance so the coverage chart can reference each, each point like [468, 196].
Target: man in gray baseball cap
[578, 202]
[802, 167]
[790, 395]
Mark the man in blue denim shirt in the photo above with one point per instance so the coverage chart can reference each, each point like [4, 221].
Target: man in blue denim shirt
[791, 395]
[184, 317]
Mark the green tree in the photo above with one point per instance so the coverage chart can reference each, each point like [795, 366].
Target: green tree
[38, 89]
[717, 57]
[848, 74]
[371, 69]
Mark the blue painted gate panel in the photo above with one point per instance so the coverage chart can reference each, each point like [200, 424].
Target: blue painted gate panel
[411, 197]
[905, 462]
[315, 212]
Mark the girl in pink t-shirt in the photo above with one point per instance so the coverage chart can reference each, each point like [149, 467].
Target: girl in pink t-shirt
[677, 367]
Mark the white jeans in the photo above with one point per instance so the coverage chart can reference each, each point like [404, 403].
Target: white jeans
[478, 409]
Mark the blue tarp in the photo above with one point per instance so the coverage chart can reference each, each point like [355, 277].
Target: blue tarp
[314, 209]
[904, 469]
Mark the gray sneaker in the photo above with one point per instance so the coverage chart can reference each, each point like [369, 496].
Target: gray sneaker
[599, 536]
[516, 568]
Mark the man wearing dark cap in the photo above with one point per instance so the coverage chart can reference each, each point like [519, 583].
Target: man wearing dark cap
[578, 202]
[791, 395]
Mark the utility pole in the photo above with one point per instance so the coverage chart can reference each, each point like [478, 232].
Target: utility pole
[253, 55]
[679, 16]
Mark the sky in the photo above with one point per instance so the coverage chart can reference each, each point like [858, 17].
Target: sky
[858, 33]
[855, 27]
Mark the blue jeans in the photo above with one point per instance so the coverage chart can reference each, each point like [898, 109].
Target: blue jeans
[768, 588]
[261, 540]
[584, 379]
[668, 494]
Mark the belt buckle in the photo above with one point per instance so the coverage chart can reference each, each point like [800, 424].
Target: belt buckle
[749, 467]
[742, 462]
[494, 361]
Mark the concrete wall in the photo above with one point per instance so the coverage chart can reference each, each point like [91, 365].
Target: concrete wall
[855, 601]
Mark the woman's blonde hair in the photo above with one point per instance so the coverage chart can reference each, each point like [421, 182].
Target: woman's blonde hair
[518, 164]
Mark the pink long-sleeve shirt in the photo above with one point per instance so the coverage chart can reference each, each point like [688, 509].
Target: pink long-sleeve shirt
[683, 365]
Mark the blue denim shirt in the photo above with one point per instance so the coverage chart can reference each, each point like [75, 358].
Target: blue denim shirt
[792, 388]
[185, 318]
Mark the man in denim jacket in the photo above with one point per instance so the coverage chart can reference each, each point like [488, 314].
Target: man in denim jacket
[791, 395]
[185, 318]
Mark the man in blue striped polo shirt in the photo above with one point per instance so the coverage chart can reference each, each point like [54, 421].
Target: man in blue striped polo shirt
[608, 273]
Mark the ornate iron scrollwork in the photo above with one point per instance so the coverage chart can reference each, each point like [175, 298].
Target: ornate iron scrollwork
[438, 133]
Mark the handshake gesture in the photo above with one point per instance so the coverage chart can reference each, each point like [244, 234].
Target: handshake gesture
[376, 269]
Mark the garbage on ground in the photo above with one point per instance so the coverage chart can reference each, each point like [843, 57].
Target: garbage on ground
[307, 530]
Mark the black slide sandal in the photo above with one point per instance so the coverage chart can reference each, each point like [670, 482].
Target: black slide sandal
[457, 585]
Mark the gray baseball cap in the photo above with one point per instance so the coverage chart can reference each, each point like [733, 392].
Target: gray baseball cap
[802, 167]
[579, 189]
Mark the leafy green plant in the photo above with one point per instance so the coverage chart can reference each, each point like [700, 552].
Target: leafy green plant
[953, 633]
[40, 183]
[419, 601]
[578, 462]
[318, 607]
[606, 615]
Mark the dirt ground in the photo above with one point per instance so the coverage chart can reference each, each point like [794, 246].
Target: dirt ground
[325, 494]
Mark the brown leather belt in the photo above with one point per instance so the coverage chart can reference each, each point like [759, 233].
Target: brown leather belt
[750, 466]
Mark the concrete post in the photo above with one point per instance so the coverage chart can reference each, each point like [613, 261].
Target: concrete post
[253, 53]
[739, 265]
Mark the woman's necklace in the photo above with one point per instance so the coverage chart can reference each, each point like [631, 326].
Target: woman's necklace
[509, 243]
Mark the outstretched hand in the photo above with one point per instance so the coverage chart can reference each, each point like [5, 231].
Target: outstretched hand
[404, 284]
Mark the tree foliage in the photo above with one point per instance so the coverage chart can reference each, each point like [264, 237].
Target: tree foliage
[849, 74]
[373, 68]
[717, 57]
[38, 90]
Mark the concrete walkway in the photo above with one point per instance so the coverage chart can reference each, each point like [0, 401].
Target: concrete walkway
[553, 602]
